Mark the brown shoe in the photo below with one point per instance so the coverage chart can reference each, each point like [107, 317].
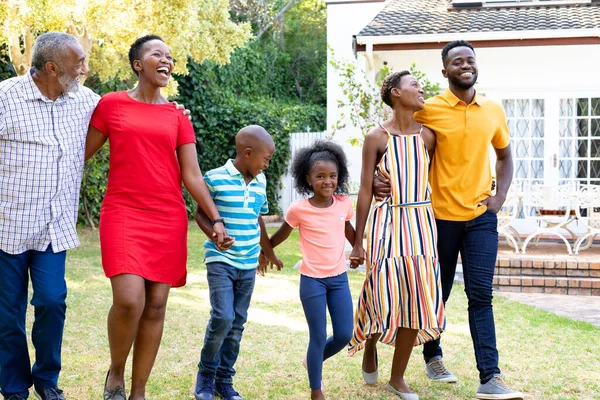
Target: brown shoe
[117, 393]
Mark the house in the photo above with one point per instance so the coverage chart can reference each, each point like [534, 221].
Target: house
[539, 58]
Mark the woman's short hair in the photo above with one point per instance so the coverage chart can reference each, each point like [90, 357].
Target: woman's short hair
[390, 82]
[135, 51]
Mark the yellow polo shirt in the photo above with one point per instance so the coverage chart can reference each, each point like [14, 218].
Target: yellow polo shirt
[460, 173]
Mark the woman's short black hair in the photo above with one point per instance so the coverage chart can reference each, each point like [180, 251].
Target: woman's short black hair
[135, 51]
[321, 150]
[390, 82]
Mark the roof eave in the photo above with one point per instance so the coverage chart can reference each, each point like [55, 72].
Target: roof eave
[478, 36]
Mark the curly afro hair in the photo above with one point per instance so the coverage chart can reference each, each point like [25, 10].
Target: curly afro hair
[321, 150]
[390, 82]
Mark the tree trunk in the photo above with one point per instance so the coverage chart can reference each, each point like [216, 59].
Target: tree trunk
[21, 61]
[279, 16]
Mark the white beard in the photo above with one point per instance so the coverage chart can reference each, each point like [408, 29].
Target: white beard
[68, 84]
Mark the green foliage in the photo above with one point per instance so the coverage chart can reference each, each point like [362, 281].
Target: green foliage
[305, 32]
[93, 187]
[6, 68]
[278, 82]
[218, 115]
[361, 105]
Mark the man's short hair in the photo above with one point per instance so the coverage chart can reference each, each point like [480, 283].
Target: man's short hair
[452, 45]
[51, 47]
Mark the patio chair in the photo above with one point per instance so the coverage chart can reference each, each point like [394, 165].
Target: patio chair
[554, 210]
[588, 199]
[508, 213]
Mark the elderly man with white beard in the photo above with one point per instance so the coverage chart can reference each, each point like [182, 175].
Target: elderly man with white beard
[44, 118]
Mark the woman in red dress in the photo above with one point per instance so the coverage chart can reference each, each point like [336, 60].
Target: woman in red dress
[143, 220]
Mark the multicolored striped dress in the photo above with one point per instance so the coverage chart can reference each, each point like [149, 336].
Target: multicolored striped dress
[402, 288]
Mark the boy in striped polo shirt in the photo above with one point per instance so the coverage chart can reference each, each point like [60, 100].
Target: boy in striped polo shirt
[239, 190]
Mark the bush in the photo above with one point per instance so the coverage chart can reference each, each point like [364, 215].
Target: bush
[217, 122]
[221, 102]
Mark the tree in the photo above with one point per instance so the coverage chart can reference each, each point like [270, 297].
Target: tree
[361, 105]
[198, 29]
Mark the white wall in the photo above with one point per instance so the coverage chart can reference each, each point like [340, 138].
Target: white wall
[344, 21]
[516, 72]
[515, 69]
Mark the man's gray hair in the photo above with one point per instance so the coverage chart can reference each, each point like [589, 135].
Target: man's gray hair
[51, 46]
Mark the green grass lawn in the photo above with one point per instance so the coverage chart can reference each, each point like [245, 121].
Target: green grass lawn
[546, 356]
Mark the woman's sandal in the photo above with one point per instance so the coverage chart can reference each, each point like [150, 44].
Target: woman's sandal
[371, 377]
[403, 396]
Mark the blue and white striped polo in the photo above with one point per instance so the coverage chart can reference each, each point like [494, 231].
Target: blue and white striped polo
[239, 205]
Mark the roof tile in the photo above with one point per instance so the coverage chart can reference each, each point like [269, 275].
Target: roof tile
[411, 17]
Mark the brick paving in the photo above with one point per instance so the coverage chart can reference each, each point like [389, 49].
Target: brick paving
[547, 268]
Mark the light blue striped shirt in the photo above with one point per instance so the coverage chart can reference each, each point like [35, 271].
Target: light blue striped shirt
[239, 205]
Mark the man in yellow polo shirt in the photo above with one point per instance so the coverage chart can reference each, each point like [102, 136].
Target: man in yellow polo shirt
[466, 125]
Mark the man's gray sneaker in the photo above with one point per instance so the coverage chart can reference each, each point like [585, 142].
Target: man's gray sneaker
[437, 371]
[496, 389]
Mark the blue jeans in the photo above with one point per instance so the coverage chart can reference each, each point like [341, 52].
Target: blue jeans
[477, 242]
[230, 293]
[316, 295]
[47, 271]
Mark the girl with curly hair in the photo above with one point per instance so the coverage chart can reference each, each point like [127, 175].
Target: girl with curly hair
[323, 220]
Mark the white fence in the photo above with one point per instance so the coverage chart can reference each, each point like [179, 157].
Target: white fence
[297, 140]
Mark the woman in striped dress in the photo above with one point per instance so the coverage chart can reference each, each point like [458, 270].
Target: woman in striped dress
[401, 300]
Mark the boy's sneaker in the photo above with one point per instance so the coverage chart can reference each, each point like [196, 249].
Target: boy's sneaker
[48, 394]
[205, 387]
[495, 389]
[15, 397]
[226, 391]
[437, 371]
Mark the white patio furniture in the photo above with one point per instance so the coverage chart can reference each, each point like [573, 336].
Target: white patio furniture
[588, 198]
[507, 214]
[554, 210]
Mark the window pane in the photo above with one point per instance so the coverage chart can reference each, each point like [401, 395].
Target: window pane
[509, 108]
[538, 108]
[538, 128]
[582, 107]
[595, 127]
[566, 107]
[582, 128]
[522, 108]
[522, 128]
[596, 107]
[582, 148]
[595, 148]
[582, 170]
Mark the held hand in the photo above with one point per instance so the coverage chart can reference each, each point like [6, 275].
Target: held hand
[493, 203]
[263, 261]
[219, 234]
[185, 110]
[227, 242]
[381, 188]
[357, 257]
[277, 262]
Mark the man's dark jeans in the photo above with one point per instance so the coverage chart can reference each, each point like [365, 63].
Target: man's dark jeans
[477, 242]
